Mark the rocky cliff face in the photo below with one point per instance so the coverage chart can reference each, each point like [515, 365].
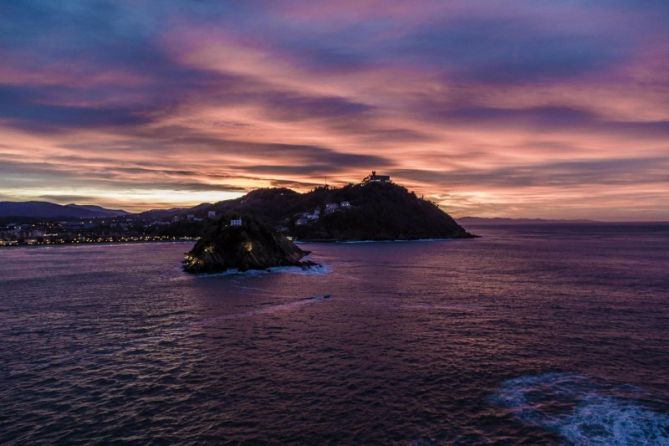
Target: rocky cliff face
[249, 246]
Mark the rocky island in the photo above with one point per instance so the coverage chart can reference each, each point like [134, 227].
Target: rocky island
[256, 230]
[242, 244]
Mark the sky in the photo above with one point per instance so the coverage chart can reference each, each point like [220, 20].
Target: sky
[514, 108]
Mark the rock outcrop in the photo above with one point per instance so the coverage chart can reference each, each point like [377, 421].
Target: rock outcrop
[249, 245]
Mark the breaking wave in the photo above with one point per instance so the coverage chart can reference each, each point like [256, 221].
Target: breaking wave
[582, 411]
[315, 270]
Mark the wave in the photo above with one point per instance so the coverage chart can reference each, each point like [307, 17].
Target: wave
[315, 270]
[582, 411]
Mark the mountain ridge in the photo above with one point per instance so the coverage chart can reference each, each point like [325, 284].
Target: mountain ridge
[46, 209]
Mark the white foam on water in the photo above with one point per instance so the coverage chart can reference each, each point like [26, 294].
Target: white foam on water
[582, 412]
[610, 421]
[315, 270]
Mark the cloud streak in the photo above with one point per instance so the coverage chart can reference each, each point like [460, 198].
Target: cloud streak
[489, 108]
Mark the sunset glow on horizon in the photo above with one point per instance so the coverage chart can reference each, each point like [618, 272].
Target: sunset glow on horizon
[520, 108]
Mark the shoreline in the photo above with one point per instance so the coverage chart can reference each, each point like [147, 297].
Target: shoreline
[96, 243]
[194, 239]
[354, 241]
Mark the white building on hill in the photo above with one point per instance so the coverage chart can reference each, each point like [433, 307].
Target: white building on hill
[374, 178]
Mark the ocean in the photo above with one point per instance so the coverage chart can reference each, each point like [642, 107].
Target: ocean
[529, 335]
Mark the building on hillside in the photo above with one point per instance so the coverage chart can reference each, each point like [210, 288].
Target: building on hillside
[331, 207]
[307, 217]
[374, 178]
[236, 222]
[314, 215]
[211, 214]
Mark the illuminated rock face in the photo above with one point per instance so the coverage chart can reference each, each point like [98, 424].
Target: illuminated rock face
[250, 246]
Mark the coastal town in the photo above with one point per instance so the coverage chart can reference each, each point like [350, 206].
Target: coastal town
[128, 229]
[66, 232]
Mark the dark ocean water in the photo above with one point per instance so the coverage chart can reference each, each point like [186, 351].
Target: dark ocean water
[539, 335]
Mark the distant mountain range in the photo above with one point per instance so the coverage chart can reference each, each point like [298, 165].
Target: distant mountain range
[159, 214]
[43, 209]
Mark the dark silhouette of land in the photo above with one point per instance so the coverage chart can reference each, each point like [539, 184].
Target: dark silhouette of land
[45, 209]
[375, 209]
[246, 245]
[367, 211]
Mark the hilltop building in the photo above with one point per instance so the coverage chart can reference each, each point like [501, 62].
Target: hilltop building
[236, 222]
[374, 178]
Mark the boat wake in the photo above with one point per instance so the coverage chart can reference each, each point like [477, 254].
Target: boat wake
[583, 412]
